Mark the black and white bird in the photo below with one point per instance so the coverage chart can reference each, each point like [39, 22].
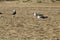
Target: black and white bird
[14, 12]
[40, 16]
[35, 14]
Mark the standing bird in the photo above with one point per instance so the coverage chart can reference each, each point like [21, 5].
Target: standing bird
[14, 12]
[40, 16]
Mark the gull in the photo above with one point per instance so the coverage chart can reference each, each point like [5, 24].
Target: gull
[14, 12]
[35, 14]
[40, 16]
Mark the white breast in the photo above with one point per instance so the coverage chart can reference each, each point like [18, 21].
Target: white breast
[38, 16]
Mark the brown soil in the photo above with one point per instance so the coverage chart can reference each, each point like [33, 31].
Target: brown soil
[25, 26]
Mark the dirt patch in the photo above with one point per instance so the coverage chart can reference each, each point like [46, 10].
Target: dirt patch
[25, 26]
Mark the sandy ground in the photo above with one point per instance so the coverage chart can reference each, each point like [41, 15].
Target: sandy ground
[25, 26]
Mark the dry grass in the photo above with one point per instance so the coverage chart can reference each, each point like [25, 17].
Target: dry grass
[25, 26]
[34, 1]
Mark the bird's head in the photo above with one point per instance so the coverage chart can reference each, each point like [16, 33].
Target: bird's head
[14, 10]
[34, 14]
